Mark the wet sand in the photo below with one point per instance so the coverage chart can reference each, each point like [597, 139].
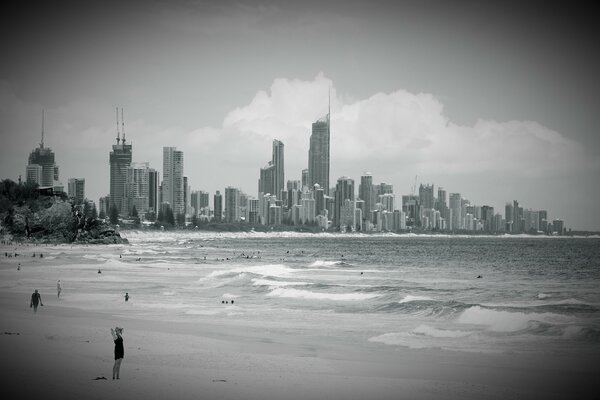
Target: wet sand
[60, 350]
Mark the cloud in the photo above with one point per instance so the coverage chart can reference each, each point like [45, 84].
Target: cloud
[399, 131]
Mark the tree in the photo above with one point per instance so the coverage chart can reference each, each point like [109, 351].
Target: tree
[94, 211]
[135, 216]
[102, 214]
[113, 215]
[87, 210]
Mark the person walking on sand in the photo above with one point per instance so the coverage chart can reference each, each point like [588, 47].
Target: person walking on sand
[58, 288]
[119, 350]
[36, 299]
[126, 296]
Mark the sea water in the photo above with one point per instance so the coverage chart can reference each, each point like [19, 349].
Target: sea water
[463, 293]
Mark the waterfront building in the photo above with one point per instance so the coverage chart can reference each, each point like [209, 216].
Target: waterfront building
[218, 206]
[232, 204]
[173, 188]
[76, 189]
[119, 160]
[456, 204]
[318, 154]
[344, 190]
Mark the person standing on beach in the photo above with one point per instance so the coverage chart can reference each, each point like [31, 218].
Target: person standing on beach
[36, 299]
[119, 350]
[58, 288]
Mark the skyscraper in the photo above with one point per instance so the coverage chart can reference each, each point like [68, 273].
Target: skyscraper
[137, 188]
[76, 189]
[278, 168]
[153, 190]
[456, 208]
[318, 153]
[266, 181]
[304, 179]
[218, 206]
[41, 168]
[344, 190]
[172, 184]
[426, 196]
[120, 160]
[232, 204]
[367, 194]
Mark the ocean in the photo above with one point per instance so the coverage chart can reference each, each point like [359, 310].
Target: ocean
[459, 293]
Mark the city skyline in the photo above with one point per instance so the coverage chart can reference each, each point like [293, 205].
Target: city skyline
[489, 112]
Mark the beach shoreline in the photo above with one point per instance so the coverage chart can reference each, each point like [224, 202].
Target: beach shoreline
[61, 350]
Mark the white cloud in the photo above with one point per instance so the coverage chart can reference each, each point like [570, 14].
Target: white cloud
[398, 131]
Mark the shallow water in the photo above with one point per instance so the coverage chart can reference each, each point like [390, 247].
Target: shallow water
[534, 294]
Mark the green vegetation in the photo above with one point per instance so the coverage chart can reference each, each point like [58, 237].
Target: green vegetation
[28, 213]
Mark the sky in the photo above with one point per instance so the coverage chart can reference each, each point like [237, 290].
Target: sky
[493, 100]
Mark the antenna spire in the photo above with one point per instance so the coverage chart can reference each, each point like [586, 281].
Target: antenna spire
[118, 134]
[42, 142]
[123, 125]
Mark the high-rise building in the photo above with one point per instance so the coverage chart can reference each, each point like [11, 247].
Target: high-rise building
[137, 189]
[426, 196]
[173, 191]
[199, 201]
[318, 154]
[120, 160]
[456, 208]
[387, 202]
[304, 179]
[344, 190]
[218, 206]
[34, 173]
[278, 168]
[232, 204]
[153, 190]
[76, 189]
[103, 205]
[508, 213]
[366, 193]
[41, 167]
[441, 200]
[266, 181]
[518, 223]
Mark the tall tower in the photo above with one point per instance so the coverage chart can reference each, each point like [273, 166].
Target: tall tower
[41, 166]
[172, 185]
[318, 153]
[119, 160]
[367, 194]
[344, 190]
[278, 165]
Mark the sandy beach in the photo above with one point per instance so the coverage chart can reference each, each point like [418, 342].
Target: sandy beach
[65, 349]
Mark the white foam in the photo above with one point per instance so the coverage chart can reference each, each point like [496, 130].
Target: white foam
[229, 296]
[543, 296]
[276, 270]
[274, 284]
[399, 339]
[504, 321]
[305, 294]
[409, 298]
[439, 333]
[322, 263]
